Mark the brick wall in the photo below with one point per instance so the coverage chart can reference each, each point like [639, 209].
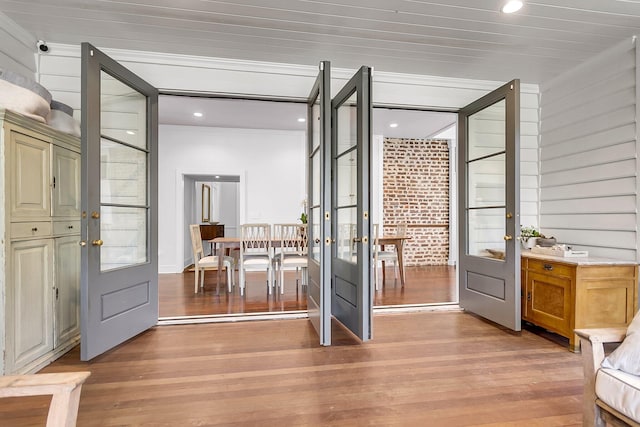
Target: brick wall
[416, 191]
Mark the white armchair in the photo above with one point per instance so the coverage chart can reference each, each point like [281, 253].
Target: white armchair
[611, 384]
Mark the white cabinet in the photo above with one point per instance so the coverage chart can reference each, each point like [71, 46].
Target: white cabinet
[29, 163]
[67, 289]
[40, 252]
[66, 183]
[29, 303]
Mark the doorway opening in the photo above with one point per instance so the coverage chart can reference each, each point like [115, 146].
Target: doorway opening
[259, 146]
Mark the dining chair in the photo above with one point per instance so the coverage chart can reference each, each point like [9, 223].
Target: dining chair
[292, 255]
[255, 252]
[380, 256]
[202, 263]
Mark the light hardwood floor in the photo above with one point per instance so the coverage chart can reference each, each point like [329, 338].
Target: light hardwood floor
[421, 369]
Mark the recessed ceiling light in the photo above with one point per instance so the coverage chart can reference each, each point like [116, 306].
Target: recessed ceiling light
[197, 114]
[130, 132]
[302, 120]
[393, 125]
[512, 6]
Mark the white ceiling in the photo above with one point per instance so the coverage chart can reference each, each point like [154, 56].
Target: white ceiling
[457, 38]
[252, 114]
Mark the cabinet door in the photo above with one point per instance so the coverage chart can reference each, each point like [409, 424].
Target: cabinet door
[66, 182]
[549, 302]
[30, 176]
[67, 289]
[29, 303]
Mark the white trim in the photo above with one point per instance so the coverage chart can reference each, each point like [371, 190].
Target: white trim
[179, 198]
[300, 314]
[311, 71]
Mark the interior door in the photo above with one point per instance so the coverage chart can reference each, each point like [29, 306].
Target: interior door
[119, 284]
[489, 203]
[319, 193]
[350, 205]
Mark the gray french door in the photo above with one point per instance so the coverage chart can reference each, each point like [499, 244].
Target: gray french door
[351, 302]
[489, 206]
[119, 285]
[319, 219]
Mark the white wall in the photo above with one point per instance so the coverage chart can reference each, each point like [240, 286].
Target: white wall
[271, 166]
[17, 48]
[589, 155]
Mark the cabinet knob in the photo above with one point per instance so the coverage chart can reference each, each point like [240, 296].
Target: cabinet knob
[548, 267]
[34, 229]
[70, 227]
[97, 242]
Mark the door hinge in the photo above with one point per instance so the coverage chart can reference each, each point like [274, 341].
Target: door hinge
[528, 296]
[54, 182]
[57, 289]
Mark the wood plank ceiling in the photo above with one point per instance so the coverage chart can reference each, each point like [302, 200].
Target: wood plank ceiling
[457, 38]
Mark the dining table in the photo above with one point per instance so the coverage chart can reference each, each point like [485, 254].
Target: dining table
[222, 246]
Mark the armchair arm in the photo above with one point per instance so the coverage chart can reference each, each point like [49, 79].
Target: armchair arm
[592, 344]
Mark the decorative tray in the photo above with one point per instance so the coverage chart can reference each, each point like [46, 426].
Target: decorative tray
[559, 250]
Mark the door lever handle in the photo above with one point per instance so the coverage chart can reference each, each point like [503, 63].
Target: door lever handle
[508, 237]
[357, 239]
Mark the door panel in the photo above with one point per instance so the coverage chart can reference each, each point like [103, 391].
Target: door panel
[119, 283]
[489, 206]
[351, 159]
[319, 224]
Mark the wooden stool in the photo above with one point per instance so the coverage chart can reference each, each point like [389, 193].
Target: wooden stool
[65, 388]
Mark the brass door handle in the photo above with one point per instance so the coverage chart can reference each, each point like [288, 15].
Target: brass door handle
[508, 237]
[97, 242]
[357, 239]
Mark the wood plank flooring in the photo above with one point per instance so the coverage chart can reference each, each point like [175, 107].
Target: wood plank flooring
[426, 284]
[421, 369]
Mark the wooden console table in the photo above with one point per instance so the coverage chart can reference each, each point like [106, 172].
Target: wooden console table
[563, 294]
[210, 232]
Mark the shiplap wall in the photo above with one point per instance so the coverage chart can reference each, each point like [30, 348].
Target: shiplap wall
[588, 155]
[17, 48]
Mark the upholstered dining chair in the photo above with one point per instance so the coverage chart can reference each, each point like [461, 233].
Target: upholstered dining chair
[380, 256]
[292, 253]
[255, 252]
[202, 263]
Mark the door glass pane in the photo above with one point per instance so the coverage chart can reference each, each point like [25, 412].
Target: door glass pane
[486, 233]
[124, 233]
[315, 124]
[124, 169]
[347, 174]
[487, 131]
[123, 174]
[347, 124]
[315, 176]
[347, 221]
[487, 182]
[316, 217]
[123, 112]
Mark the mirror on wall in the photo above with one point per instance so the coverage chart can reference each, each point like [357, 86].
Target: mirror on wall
[206, 203]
